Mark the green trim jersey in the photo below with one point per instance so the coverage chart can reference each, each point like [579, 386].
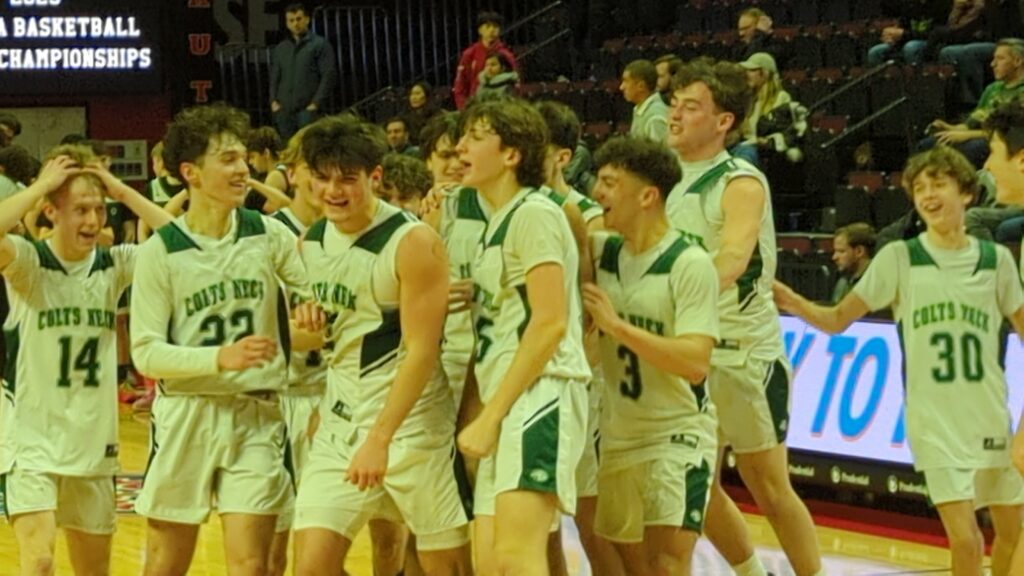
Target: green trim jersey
[748, 317]
[588, 208]
[60, 393]
[670, 290]
[949, 306]
[463, 222]
[196, 294]
[307, 371]
[354, 277]
[528, 231]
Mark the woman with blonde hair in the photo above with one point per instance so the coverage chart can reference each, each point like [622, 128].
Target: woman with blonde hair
[775, 121]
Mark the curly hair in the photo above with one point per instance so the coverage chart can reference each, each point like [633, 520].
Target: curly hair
[343, 142]
[1007, 121]
[942, 160]
[193, 130]
[520, 127]
[646, 159]
[18, 164]
[407, 175]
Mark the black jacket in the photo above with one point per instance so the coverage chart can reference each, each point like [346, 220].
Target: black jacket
[302, 72]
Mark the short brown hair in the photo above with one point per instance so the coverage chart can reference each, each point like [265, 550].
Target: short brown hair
[859, 234]
[263, 138]
[193, 129]
[644, 71]
[644, 158]
[942, 160]
[519, 126]
[726, 81]
[408, 175]
[345, 143]
[81, 155]
[1007, 121]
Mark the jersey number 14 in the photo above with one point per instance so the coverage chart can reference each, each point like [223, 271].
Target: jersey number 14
[85, 361]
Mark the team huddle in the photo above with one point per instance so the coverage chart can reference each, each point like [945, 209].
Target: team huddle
[516, 352]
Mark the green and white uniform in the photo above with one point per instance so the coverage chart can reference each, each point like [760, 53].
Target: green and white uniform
[654, 421]
[216, 434]
[588, 208]
[749, 380]
[949, 306]
[61, 364]
[307, 378]
[586, 470]
[543, 435]
[354, 277]
[463, 221]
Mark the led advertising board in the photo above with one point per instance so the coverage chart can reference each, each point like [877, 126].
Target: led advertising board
[847, 396]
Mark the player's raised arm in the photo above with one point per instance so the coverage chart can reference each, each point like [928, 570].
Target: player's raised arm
[13, 209]
[153, 215]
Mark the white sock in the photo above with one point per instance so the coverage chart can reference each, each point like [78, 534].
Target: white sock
[752, 567]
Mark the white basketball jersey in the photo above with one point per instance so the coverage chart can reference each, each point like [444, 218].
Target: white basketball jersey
[307, 371]
[671, 290]
[194, 294]
[529, 230]
[60, 396]
[950, 305]
[354, 278]
[747, 313]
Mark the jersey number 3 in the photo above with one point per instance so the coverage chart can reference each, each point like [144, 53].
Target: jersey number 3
[633, 387]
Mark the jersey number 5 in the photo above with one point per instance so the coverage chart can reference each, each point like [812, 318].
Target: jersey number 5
[85, 361]
[633, 388]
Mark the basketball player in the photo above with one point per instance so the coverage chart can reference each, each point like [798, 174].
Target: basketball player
[949, 293]
[1006, 164]
[58, 431]
[385, 442]
[584, 215]
[656, 304]
[307, 372]
[211, 324]
[724, 204]
[530, 365]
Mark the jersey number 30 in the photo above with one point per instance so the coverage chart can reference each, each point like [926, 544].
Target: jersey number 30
[970, 357]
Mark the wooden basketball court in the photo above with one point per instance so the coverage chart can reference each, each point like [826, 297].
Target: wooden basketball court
[846, 553]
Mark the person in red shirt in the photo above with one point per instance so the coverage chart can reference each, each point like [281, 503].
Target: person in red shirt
[473, 58]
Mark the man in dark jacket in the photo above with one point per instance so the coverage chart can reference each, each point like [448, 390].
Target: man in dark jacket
[302, 74]
[909, 38]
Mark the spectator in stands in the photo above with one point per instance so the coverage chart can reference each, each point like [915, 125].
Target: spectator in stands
[852, 249]
[771, 116]
[398, 137]
[10, 128]
[909, 37]
[406, 180]
[497, 78]
[473, 59]
[755, 34]
[965, 24]
[968, 136]
[1001, 20]
[302, 73]
[418, 110]
[650, 114]
[667, 66]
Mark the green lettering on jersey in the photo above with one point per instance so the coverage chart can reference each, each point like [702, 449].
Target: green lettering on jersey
[247, 289]
[335, 295]
[99, 318]
[648, 324]
[59, 318]
[974, 316]
[203, 299]
[933, 313]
